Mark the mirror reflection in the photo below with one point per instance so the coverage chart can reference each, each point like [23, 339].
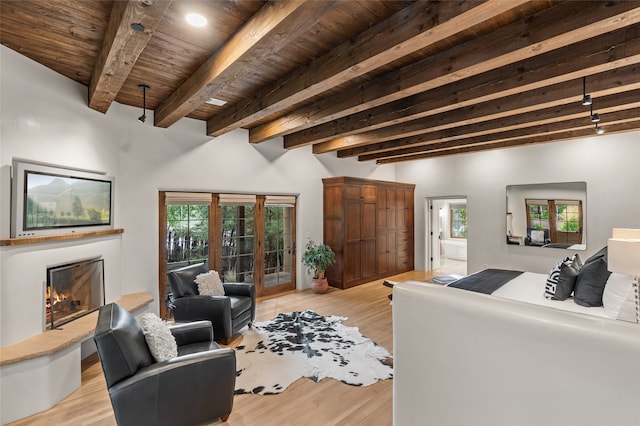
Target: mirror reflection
[550, 215]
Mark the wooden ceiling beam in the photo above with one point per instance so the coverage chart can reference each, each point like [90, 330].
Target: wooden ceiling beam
[601, 86]
[613, 50]
[121, 48]
[544, 121]
[274, 26]
[543, 32]
[520, 135]
[415, 27]
[611, 128]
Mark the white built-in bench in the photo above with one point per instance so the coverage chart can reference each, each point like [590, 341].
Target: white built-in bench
[39, 372]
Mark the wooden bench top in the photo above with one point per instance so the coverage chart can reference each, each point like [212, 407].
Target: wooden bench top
[52, 341]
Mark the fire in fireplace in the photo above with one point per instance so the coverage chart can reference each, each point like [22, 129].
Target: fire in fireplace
[73, 290]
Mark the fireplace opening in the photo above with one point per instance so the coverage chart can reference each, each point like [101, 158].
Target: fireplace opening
[73, 290]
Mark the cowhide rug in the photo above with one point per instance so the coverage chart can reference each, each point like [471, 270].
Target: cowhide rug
[276, 353]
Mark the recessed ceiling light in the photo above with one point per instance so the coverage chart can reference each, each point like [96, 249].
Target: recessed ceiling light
[196, 20]
[214, 101]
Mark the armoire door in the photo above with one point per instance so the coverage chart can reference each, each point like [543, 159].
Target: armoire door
[368, 240]
[353, 242]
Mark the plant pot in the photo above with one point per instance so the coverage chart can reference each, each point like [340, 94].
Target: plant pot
[319, 285]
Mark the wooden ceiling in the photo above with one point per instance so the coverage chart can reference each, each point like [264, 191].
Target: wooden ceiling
[377, 80]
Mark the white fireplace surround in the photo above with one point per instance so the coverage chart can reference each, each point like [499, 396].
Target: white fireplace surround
[37, 384]
[24, 277]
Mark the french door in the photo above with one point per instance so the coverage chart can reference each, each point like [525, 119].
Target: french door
[246, 238]
[279, 246]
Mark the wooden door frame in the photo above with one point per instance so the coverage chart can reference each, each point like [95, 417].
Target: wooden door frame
[162, 254]
[215, 249]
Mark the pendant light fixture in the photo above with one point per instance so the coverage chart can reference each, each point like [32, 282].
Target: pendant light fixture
[144, 88]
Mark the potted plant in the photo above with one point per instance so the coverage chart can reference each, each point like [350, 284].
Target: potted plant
[317, 258]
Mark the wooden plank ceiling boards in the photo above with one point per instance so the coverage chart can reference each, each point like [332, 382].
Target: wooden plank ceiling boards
[376, 80]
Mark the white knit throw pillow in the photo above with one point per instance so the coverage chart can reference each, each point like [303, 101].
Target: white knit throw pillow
[160, 341]
[209, 284]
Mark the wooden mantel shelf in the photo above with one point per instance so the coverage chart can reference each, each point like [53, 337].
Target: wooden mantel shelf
[59, 237]
[52, 341]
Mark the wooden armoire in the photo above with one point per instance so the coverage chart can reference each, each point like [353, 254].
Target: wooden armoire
[369, 225]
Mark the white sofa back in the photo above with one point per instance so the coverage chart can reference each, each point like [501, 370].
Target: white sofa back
[463, 358]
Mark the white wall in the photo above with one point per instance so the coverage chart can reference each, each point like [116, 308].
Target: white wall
[45, 118]
[607, 163]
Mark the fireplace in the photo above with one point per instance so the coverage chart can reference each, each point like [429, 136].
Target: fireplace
[73, 290]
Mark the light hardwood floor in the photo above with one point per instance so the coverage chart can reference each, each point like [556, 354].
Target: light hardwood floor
[328, 402]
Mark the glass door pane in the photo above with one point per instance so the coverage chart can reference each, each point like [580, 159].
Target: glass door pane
[187, 235]
[568, 222]
[279, 247]
[238, 231]
[538, 214]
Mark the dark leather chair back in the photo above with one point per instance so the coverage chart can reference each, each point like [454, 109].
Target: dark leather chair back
[228, 313]
[181, 280]
[121, 344]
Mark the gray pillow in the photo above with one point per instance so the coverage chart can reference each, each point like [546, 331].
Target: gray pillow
[562, 278]
[566, 281]
[591, 281]
[576, 262]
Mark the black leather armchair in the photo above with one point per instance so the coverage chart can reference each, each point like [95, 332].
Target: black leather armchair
[194, 388]
[228, 313]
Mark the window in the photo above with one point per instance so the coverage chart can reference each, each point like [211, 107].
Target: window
[568, 222]
[537, 214]
[187, 232]
[562, 218]
[568, 216]
[458, 225]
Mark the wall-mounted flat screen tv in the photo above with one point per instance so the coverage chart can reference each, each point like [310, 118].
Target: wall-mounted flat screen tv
[47, 199]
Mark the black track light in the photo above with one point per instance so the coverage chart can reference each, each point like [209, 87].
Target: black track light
[586, 99]
[144, 88]
[595, 118]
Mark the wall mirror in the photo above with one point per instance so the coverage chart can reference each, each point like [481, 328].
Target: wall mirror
[547, 215]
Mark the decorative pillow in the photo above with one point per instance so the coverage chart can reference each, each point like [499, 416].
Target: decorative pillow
[537, 236]
[209, 284]
[576, 262]
[566, 281]
[591, 281]
[562, 279]
[160, 341]
[618, 298]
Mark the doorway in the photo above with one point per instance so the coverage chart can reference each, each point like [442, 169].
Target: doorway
[446, 235]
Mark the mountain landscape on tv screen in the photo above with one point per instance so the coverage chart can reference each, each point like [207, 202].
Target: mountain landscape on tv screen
[68, 202]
